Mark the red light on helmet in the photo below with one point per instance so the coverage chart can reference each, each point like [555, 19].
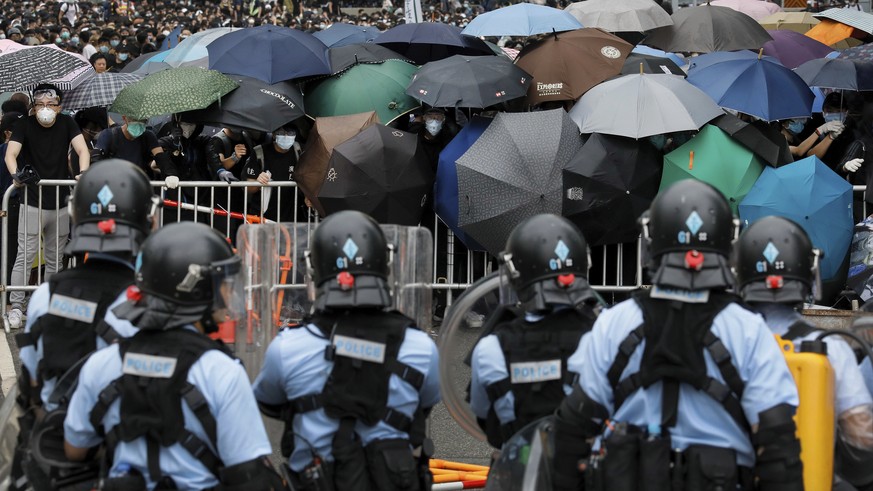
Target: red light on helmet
[694, 260]
[106, 227]
[565, 280]
[346, 280]
[775, 282]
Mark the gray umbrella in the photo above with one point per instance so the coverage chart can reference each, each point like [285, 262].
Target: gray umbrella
[513, 172]
[620, 15]
[707, 28]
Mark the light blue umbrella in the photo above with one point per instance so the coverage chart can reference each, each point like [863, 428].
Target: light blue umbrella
[811, 194]
[646, 50]
[521, 19]
[192, 51]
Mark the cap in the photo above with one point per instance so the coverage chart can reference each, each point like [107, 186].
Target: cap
[13, 30]
[8, 120]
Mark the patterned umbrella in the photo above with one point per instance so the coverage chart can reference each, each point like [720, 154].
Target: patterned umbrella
[25, 68]
[858, 53]
[99, 90]
[172, 91]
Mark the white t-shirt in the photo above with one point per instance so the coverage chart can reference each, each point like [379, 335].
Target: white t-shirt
[71, 11]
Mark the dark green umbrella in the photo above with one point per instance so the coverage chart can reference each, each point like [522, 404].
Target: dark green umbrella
[172, 91]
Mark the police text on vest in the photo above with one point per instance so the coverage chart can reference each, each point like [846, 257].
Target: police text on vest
[148, 365]
[535, 371]
[359, 348]
[72, 308]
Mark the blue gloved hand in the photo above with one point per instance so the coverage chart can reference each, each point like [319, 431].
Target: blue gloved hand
[227, 176]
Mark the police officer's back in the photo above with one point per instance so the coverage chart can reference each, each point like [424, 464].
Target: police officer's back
[519, 367]
[171, 405]
[356, 381]
[693, 385]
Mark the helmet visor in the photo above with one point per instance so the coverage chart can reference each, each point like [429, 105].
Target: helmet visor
[228, 287]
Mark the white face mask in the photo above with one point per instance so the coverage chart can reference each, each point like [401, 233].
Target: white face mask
[285, 141]
[46, 115]
[433, 126]
[187, 129]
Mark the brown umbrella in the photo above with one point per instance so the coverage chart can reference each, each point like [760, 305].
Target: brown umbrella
[327, 133]
[565, 65]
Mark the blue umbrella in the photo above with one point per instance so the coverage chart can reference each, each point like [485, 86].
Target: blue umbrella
[342, 34]
[522, 19]
[172, 39]
[269, 53]
[814, 196]
[445, 188]
[646, 50]
[756, 86]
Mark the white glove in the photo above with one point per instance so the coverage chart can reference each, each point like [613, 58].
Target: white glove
[838, 129]
[853, 165]
[172, 182]
[831, 127]
[226, 176]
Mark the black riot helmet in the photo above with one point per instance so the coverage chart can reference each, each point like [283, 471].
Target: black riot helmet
[546, 263]
[112, 208]
[689, 229]
[349, 262]
[775, 262]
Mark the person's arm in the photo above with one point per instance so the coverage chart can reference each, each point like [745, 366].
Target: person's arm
[13, 148]
[84, 153]
[805, 145]
[829, 132]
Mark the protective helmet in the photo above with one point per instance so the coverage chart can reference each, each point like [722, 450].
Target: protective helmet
[775, 262]
[546, 263]
[185, 271]
[349, 262]
[689, 230]
[112, 208]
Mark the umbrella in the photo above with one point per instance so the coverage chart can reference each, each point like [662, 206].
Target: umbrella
[469, 81]
[610, 182]
[620, 15]
[445, 188]
[771, 146]
[646, 50]
[638, 106]
[172, 91]
[568, 64]
[382, 172]
[858, 53]
[172, 37]
[837, 74]
[342, 34]
[192, 51]
[799, 22]
[326, 134]
[99, 90]
[858, 19]
[794, 49]
[708, 28]
[713, 157]
[513, 172]
[25, 68]
[812, 195]
[254, 105]
[756, 9]
[343, 57]
[364, 87]
[759, 87]
[269, 53]
[861, 260]
[836, 34]
[138, 65]
[651, 64]
[521, 19]
[430, 41]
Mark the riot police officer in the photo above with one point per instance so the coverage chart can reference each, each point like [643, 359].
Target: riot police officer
[356, 382]
[519, 367]
[173, 408]
[694, 387]
[776, 268]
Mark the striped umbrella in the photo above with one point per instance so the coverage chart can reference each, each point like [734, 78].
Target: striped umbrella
[25, 68]
[853, 18]
[99, 90]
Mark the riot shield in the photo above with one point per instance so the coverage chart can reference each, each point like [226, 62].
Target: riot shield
[526, 459]
[411, 272]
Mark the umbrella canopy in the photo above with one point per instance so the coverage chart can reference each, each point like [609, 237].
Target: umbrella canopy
[799, 22]
[147, 64]
[713, 157]
[771, 146]
[255, 105]
[637, 106]
[343, 57]
[342, 34]
[26, 67]
[650, 64]
[793, 49]
[445, 188]
[837, 74]
[192, 51]
[382, 172]
[172, 91]
[469, 81]
[835, 34]
[513, 172]
[646, 50]
[758, 86]
[326, 134]
[756, 9]
[99, 90]
[862, 53]
[269, 53]
[812, 195]
[620, 15]
[708, 28]
[431, 41]
[568, 64]
[858, 19]
[608, 185]
[365, 87]
[521, 19]
[861, 260]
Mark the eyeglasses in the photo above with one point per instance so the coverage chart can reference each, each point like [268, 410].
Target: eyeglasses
[40, 105]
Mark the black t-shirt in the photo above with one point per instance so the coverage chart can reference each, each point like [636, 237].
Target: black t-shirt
[114, 144]
[281, 167]
[45, 149]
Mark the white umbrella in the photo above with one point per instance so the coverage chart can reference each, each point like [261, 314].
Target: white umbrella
[620, 15]
[192, 51]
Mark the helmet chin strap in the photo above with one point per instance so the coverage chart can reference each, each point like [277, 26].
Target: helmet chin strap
[208, 322]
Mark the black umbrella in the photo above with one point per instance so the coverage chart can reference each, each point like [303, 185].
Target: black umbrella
[139, 61]
[837, 74]
[469, 81]
[430, 41]
[759, 137]
[650, 64]
[382, 172]
[608, 184]
[707, 28]
[343, 57]
[255, 105]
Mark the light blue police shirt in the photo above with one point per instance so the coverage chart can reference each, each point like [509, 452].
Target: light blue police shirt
[294, 366]
[701, 419]
[850, 390]
[488, 366]
[240, 431]
[867, 373]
